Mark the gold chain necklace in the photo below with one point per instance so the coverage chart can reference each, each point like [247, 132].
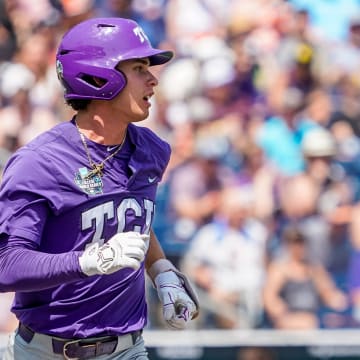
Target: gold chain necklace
[97, 169]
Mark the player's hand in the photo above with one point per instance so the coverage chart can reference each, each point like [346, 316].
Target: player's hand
[178, 306]
[123, 250]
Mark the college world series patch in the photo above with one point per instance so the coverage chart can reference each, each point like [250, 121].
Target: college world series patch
[91, 185]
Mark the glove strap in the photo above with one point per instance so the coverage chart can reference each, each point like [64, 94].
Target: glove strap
[160, 266]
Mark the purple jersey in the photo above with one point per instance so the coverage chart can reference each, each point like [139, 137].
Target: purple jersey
[45, 199]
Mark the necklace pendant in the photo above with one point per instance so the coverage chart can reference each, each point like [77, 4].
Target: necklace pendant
[97, 170]
[89, 181]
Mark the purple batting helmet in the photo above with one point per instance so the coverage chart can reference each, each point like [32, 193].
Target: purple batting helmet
[93, 48]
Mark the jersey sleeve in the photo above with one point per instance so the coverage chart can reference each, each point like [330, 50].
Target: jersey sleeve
[24, 196]
[25, 269]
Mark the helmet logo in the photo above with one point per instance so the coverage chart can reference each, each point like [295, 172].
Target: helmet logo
[59, 69]
[139, 32]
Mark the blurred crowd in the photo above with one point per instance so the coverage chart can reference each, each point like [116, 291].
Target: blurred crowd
[260, 204]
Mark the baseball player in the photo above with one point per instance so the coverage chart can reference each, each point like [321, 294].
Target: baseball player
[77, 204]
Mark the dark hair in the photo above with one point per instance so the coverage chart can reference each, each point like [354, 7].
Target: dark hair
[78, 104]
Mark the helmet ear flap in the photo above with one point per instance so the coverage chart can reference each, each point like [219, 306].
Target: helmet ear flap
[93, 82]
[124, 79]
[106, 88]
[99, 82]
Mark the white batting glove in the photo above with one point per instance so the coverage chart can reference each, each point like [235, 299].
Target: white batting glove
[178, 306]
[123, 250]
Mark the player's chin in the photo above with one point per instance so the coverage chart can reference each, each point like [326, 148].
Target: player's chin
[141, 115]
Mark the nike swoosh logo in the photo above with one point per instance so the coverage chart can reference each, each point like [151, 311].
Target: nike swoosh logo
[111, 148]
[152, 179]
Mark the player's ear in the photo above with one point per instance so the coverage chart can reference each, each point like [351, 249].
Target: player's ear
[99, 81]
[95, 81]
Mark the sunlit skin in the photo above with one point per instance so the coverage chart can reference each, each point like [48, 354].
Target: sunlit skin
[132, 104]
[105, 122]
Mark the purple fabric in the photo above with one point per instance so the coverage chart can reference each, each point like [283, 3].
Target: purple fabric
[35, 270]
[40, 201]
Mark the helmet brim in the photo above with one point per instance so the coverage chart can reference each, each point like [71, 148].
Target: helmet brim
[155, 56]
[161, 58]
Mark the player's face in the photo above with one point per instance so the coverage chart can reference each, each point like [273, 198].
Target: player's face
[133, 102]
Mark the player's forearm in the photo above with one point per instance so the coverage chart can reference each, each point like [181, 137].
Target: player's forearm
[23, 269]
[155, 251]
